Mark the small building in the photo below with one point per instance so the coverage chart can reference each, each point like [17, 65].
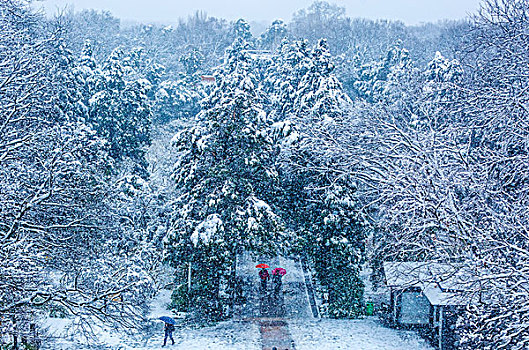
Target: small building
[429, 296]
[207, 79]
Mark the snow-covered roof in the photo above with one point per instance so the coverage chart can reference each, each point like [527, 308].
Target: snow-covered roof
[207, 78]
[441, 283]
[436, 296]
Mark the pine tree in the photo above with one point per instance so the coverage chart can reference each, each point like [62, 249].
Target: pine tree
[274, 35]
[118, 106]
[241, 30]
[226, 172]
[378, 80]
[320, 95]
[326, 211]
[192, 61]
[442, 77]
[284, 76]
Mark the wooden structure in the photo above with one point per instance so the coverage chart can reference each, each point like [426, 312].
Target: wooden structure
[430, 296]
[207, 79]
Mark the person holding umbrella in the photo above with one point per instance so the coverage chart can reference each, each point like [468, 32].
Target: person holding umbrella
[263, 275]
[277, 275]
[168, 329]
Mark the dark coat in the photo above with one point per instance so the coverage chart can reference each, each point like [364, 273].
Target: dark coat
[169, 328]
[264, 274]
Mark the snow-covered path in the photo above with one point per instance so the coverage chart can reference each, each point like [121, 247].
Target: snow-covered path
[293, 324]
[261, 323]
[268, 310]
[293, 301]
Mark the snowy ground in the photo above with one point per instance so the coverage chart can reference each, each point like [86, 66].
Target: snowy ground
[229, 335]
[224, 336]
[366, 334]
[246, 331]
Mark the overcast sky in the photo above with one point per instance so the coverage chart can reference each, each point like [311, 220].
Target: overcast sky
[409, 11]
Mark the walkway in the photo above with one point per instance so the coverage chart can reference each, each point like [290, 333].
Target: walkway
[260, 323]
[271, 312]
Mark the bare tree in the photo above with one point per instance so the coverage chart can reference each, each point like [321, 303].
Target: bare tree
[60, 243]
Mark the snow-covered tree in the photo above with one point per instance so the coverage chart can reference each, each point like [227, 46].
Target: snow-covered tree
[274, 35]
[440, 161]
[54, 227]
[241, 30]
[226, 172]
[497, 116]
[284, 75]
[192, 61]
[377, 80]
[322, 211]
[443, 76]
[177, 99]
[320, 95]
[323, 20]
[118, 105]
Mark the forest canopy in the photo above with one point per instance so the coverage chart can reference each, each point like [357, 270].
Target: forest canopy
[134, 157]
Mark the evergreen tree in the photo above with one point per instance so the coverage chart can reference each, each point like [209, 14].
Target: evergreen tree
[192, 61]
[241, 30]
[226, 172]
[442, 78]
[326, 214]
[327, 221]
[274, 35]
[320, 95]
[284, 76]
[118, 106]
[177, 99]
[377, 80]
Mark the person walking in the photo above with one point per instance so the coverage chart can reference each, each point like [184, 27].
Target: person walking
[169, 329]
[277, 275]
[264, 275]
[277, 282]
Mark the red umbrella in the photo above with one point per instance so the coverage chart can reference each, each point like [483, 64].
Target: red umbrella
[279, 271]
[262, 266]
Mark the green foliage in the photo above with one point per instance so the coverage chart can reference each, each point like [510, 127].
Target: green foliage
[226, 171]
[178, 99]
[204, 298]
[180, 298]
[192, 61]
[337, 249]
[273, 35]
[117, 104]
[377, 80]
[341, 277]
[322, 210]
[20, 346]
[331, 236]
[241, 30]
